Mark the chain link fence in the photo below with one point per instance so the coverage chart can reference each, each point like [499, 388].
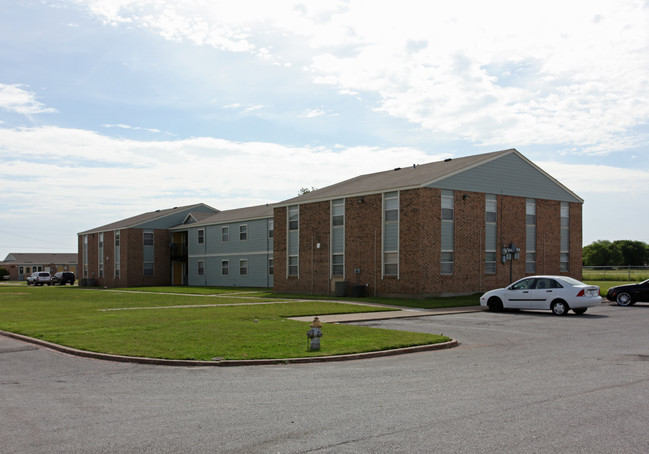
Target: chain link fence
[615, 273]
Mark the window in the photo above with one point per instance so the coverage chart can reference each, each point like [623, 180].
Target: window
[564, 261]
[117, 252]
[201, 236]
[293, 217]
[101, 255]
[225, 234]
[391, 234]
[148, 268]
[292, 266]
[271, 267]
[225, 267]
[530, 236]
[85, 256]
[148, 238]
[201, 268]
[491, 240]
[271, 228]
[338, 237]
[293, 240]
[448, 232]
[243, 232]
[243, 267]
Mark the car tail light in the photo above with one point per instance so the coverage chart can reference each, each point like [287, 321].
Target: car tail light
[581, 292]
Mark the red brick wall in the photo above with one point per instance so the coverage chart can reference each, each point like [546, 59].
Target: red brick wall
[420, 244]
[131, 259]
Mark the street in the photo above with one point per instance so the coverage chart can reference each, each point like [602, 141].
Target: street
[518, 382]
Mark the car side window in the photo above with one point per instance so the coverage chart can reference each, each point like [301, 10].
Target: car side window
[547, 283]
[523, 285]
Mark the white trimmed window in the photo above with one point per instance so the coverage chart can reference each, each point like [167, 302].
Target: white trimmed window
[148, 238]
[271, 228]
[338, 237]
[101, 254]
[201, 236]
[564, 261]
[530, 236]
[243, 232]
[293, 240]
[391, 234]
[117, 252]
[225, 234]
[491, 240]
[448, 232]
[201, 267]
[225, 267]
[85, 256]
[243, 267]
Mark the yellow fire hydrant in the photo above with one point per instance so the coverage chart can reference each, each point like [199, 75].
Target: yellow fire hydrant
[314, 334]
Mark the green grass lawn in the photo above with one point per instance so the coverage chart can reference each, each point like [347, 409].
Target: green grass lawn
[225, 326]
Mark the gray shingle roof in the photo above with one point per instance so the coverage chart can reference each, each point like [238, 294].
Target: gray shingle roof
[399, 178]
[237, 214]
[41, 258]
[134, 221]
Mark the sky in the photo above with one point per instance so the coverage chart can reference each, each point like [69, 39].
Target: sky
[112, 108]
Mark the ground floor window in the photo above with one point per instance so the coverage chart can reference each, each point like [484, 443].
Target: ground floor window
[148, 268]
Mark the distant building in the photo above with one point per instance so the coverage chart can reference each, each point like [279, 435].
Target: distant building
[22, 265]
[137, 251]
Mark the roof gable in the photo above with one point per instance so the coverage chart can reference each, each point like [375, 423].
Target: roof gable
[154, 219]
[503, 172]
[235, 215]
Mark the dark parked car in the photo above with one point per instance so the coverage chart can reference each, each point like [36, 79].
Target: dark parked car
[627, 295]
[62, 278]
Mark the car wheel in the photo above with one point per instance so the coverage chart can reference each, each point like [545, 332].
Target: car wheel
[624, 299]
[560, 308]
[580, 310]
[495, 304]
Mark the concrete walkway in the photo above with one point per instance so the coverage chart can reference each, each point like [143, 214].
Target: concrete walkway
[403, 313]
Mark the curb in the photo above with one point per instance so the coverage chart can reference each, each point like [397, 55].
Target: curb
[228, 363]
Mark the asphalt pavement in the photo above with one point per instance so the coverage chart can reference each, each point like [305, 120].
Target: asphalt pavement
[517, 382]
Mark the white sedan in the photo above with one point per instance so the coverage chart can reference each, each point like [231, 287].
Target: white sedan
[556, 293]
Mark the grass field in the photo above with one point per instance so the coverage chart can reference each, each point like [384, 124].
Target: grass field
[211, 323]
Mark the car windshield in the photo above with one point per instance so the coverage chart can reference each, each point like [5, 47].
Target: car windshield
[44, 274]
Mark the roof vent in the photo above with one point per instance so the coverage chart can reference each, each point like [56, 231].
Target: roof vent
[448, 159]
[397, 168]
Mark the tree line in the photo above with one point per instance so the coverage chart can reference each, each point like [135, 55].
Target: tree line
[616, 253]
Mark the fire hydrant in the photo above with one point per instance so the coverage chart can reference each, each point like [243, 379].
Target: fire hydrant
[315, 334]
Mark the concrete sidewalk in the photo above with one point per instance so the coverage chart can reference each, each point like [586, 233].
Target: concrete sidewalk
[403, 313]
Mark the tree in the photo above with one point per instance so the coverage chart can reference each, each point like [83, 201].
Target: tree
[602, 253]
[306, 190]
[635, 253]
[616, 253]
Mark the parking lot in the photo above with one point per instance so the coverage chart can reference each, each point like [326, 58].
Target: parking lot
[518, 382]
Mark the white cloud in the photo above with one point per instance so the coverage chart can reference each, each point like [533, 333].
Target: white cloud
[14, 98]
[494, 73]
